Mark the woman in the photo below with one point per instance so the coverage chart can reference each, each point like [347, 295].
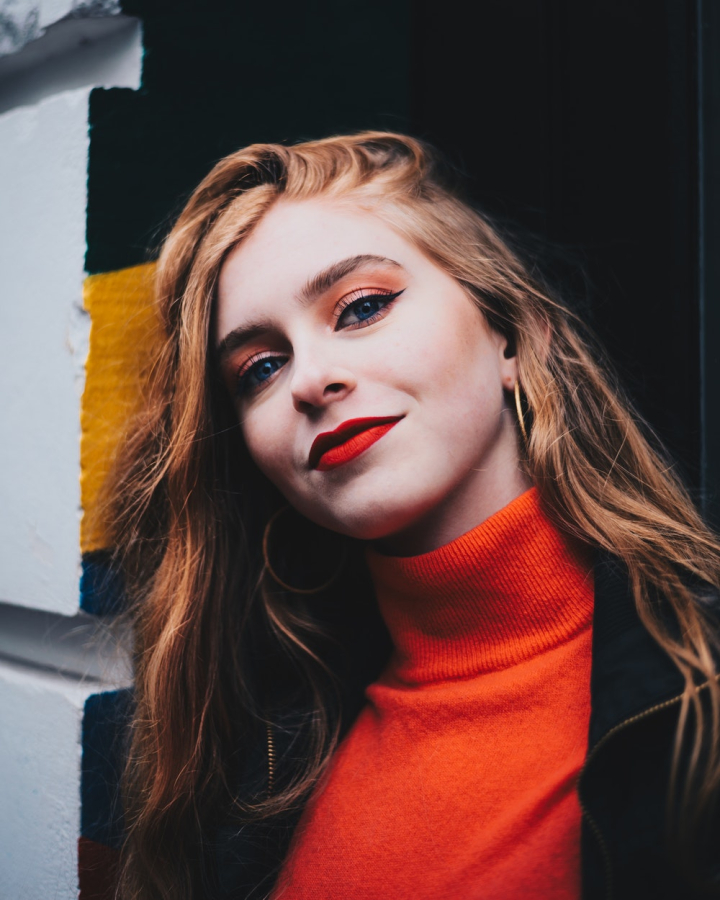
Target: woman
[364, 387]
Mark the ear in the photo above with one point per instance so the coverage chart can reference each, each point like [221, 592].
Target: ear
[508, 361]
[507, 346]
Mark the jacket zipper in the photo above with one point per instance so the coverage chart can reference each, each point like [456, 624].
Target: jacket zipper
[271, 759]
[594, 827]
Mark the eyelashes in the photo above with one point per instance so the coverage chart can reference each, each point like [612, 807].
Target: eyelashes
[364, 307]
[257, 370]
[357, 310]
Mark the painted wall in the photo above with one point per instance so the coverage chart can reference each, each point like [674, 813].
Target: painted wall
[55, 662]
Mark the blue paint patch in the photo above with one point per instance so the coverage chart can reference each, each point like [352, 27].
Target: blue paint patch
[101, 585]
[105, 732]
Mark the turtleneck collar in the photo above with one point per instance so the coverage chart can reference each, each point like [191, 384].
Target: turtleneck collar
[506, 591]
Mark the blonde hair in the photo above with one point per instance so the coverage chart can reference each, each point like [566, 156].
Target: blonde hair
[189, 518]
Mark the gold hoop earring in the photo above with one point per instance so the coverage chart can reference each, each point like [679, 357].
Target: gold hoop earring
[273, 574]
[521, 417]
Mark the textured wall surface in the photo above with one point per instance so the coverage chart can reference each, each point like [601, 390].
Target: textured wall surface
[125, 333]
[40, 757]
[57, 665]
[44, 333]
[24, 21]
[43, 344]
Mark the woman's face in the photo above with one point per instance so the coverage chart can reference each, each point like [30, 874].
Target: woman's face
[369, 388]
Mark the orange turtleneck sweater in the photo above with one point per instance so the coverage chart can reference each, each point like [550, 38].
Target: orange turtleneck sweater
[458, 778]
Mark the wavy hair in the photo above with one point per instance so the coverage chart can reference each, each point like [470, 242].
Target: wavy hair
[213, 630]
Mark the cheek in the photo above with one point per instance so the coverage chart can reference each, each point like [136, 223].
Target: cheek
[448, 360]
[263, 435]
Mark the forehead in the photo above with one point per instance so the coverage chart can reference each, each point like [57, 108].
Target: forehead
[297, 239]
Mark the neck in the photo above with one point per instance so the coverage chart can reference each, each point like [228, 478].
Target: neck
[508, 590]
[461, 511]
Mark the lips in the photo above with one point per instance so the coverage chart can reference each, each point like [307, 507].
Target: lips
[334, 448]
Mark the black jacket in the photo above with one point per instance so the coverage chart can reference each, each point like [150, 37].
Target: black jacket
[635, 696]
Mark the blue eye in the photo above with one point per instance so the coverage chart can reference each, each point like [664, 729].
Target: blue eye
[259, 372]
[364, 309]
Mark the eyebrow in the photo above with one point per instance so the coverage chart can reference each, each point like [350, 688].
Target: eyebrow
[312, 289]
[243, 334]
[329, 277]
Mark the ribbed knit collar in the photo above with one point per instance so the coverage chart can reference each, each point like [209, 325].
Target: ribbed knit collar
[506, 591]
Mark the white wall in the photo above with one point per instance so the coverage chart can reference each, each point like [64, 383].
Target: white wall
[24, 21]
[43, 332]
[52, 53]
[73, 53]
[43, 343]
[39, 789]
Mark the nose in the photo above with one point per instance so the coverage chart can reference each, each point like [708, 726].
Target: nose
[317, 382]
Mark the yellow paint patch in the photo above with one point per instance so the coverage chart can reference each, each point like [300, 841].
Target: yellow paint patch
[124, 338]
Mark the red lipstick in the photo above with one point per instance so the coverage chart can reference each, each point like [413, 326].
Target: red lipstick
[334, 448]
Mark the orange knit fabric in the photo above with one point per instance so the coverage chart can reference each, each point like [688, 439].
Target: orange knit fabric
[458, 779]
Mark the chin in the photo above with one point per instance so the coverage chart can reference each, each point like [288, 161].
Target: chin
[374, 521]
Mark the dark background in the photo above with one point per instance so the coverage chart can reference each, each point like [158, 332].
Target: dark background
[592, 123]
[587, 122]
